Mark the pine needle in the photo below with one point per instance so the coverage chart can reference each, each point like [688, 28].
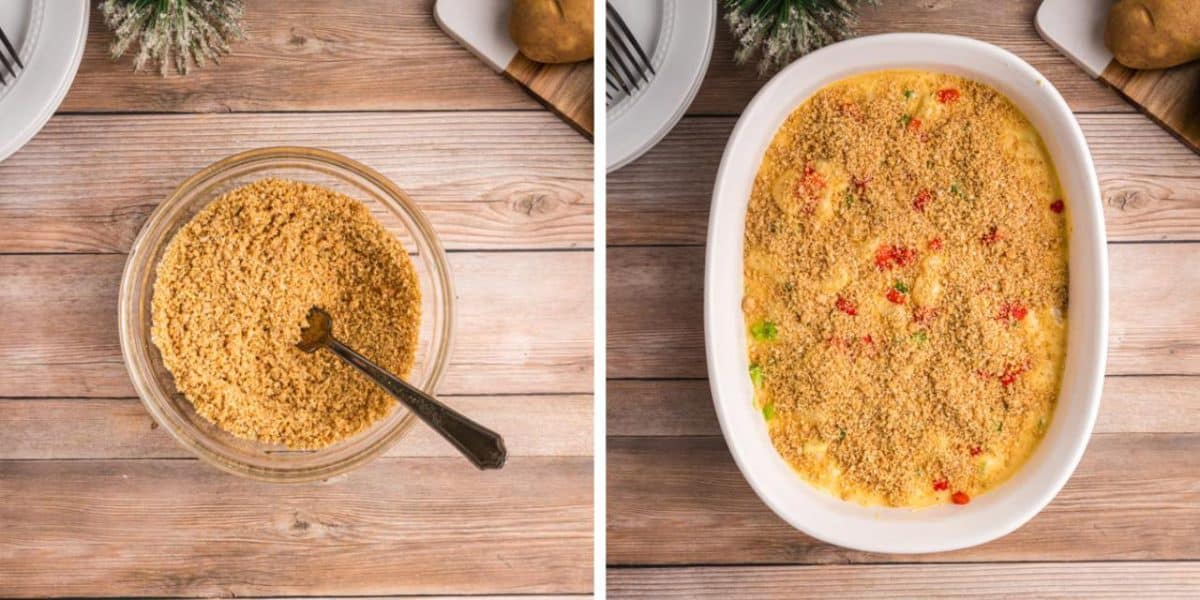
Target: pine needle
[178, 33]
[780, 31]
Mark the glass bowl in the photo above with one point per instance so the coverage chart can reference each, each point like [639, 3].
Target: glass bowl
[155, 385]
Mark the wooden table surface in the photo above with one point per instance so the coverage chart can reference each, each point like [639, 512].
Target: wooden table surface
[95, 501]
[682, 522]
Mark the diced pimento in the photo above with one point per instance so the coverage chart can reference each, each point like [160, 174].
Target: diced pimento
[935, 244]
[941, 485]
[1010, 375]
[924, 314]
[895, 296]
[1057, 206]
[914, 124]
[976, 450]
[922, 200]
[1012, 312]
[846, 306]
[992, 236]
[948, 95]
[868, 340]
[960, 498]
[888, 256]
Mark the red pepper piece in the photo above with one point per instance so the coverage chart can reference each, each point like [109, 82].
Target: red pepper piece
[948, 95]
[960, 498]
[992, 236]
[914, 124]
[846, 306]
[1012, 311]
[941, 485]
[888, 256]
[976, 450]
[1057, 206]
[808, 187]
[923, 198]
[895, 297]
[935, 244]
[924, 314]
[1010, 375]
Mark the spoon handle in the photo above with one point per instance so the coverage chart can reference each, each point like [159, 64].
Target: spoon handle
[479, 444]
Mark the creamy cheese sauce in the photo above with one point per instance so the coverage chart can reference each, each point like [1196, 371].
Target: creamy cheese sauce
[906, 288]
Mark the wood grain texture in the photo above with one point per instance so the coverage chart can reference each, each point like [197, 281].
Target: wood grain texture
[79, 428]
[681, 500]
[397, 526]
[485, 180]
[1171, 97]
[1140, 404]
[1094, 580]
[1149, 183]
[656, 327]
[307, 55]
[565, 89]
[524, 325]
[1009, 24]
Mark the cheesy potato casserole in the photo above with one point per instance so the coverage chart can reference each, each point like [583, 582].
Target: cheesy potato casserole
[906, 288]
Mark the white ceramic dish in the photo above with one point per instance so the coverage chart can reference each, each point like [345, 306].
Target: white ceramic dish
[678, 35]
[1010, 505]
[49, 36]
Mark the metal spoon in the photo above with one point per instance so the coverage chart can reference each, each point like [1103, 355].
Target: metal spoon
[479, 444]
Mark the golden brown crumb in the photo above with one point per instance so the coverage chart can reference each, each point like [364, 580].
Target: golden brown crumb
[904, 241]
[233, 291]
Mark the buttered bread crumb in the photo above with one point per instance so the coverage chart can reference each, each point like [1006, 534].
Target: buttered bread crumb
[906, 288]
[232, 293]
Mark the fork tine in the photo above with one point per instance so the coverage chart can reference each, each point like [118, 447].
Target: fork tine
[13, 52]
[613, 82]
[618, 49]
[620, 69]
[619, 79]
[624, 29]
[8, 66]
[636, 69]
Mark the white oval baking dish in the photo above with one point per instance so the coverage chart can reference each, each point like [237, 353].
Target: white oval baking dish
[1010, 505]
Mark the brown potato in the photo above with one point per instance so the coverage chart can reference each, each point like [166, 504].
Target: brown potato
[1154, 34]
[552, 31]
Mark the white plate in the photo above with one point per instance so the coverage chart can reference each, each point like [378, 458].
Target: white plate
[678, 36]
[49, 36]
[1007, 507]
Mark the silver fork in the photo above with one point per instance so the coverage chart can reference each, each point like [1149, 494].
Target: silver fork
[4, 60]
[628, 66]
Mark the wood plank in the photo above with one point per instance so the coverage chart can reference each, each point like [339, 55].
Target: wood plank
[656, 326]
[565, 89]
[397, 526]
[1095, 580]
[487, 597]
[485, 180]
[424, 597]
[79, 428]
[1149, 182]
[307, 55]
[524, 324]
[681, 500]
[639, 407]
[1007, 24]
[1166, 95]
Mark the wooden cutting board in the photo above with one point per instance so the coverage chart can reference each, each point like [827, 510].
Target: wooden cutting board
[1171, 97]
[482, 27]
